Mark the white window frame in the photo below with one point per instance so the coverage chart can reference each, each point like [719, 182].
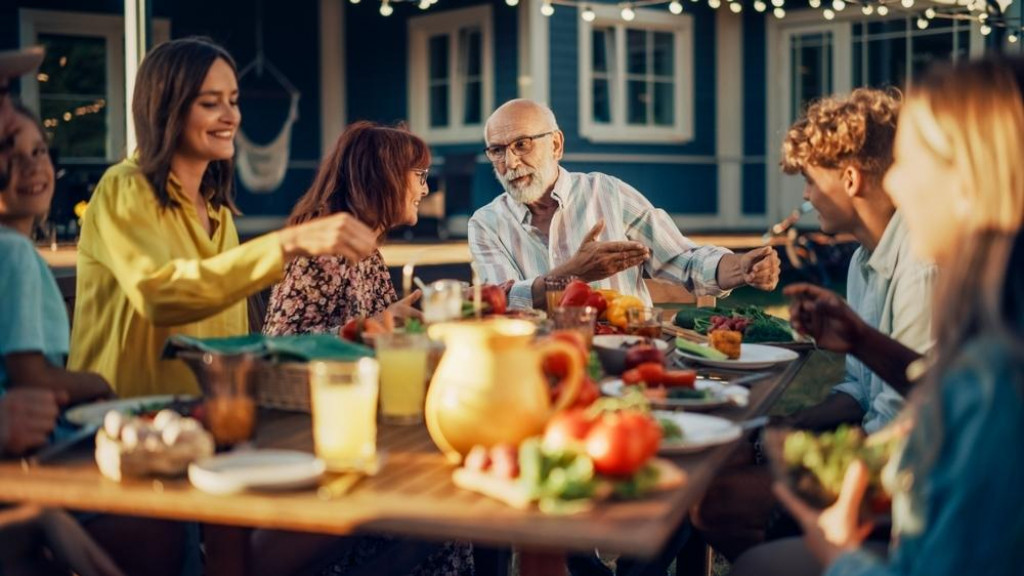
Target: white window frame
[421, 29]
[34, 22]
[618, 130]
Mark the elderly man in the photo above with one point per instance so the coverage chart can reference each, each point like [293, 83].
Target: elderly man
[551, 222]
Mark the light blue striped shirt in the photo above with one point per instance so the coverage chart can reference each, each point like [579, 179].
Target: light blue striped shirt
[891, 290]
[506, 246]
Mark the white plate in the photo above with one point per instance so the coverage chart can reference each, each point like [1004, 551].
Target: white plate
[255, 470]
[722, 394]
[752, 357]
[94, 412]
[700, 431]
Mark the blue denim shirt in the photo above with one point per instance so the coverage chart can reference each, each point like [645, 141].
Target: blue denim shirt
[892, 291]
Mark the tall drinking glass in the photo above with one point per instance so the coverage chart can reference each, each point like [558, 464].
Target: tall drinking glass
[344, 402]
[228, 397]
[554, 288]
[442, 301]
[579, 319]
[403, 362]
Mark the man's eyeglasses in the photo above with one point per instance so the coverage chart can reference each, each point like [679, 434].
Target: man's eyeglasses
[423, 175]
[518, 147]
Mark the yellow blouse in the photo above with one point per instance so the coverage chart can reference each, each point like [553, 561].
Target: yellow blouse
[146, 272]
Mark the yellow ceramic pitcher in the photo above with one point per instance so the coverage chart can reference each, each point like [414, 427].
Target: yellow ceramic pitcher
[489, 388]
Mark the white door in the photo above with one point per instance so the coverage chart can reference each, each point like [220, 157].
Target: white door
[813, 61]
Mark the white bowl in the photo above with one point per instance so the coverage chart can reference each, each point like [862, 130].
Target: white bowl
[611, 350]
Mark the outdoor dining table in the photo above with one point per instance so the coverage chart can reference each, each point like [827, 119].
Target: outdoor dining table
[411, 496]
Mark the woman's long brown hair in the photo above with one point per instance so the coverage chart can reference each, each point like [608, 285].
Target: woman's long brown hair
[167, 84]
[366, 174]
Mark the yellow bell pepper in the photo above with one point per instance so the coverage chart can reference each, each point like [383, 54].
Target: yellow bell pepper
[616, 312]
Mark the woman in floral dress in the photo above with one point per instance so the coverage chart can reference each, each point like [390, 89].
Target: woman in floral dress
[379, 175]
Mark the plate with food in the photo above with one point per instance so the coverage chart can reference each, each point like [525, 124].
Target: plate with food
[760, 326]
[745, 357]
[704, 394]
[685, 432]
[95, 411]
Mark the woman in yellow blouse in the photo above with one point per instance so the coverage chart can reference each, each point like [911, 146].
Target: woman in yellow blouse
[159, 253]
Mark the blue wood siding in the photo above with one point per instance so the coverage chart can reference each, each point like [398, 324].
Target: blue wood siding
[755, 113]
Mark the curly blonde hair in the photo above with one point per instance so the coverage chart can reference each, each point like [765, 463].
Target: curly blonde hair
[840, 131]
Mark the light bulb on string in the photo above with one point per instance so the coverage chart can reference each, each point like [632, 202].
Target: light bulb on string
[547, 9]
[828, 14]
[1013, 38]
[929, 13]
[424, 4]
[838, 5]
[354, 1]
[778, 3]
[985, 29]
[715, 4]
[588, 14]
[883, 10]
[627, 13]
[922, 23]
[386, 9]
[907, 3]
[814, 3]
[512, 2]
[779, 13]
[675, 7]
[760, 6]
[867, 9]
[736, 7]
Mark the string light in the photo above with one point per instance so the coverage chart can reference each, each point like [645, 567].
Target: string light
[828, 14]
[838, 5]
[883, 10]
[715, 4]
[922, 23]
[425, 4]
[588, 14]
[815, 3]
[547, 9]
[779, 3]
[386, 9]
[929, 13]
[779, 13]
[675, 7]
[867, 9]
[627, 13]
[985, 29]
[907, 3]
[760, 6]
[354, 1]
[736, 7]
[1013, 38]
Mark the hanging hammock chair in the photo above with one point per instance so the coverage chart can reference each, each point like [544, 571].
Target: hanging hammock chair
[262, 167]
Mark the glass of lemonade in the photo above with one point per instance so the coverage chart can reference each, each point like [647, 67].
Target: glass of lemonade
[344, 402]
[403, 376]
[644, 322]
[554, 288]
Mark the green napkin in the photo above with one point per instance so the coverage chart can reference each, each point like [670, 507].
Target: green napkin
[301, 347]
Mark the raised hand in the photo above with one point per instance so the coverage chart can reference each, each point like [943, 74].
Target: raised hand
[837, 529]
[596, 260]
[403, 309]
[339, 234]
[761, 268]
[824, 316]
[27, 416]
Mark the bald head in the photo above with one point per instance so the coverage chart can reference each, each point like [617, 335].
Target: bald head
[522, 115]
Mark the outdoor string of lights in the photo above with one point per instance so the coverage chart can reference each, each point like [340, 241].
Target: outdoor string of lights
[988, 14]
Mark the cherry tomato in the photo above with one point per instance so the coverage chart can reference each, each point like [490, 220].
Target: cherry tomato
[651, 372]
[617, 445]
[679, 378]
[567, 428]
[632, 377]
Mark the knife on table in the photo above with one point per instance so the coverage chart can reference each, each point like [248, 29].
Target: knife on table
[57, 448]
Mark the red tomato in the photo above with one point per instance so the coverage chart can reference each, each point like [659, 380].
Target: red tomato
[567, 428]
[679, 378]
[576, 294]
[597, 301]
[648, 429]
[632, 377]
[351, 331]
[493, 297]
[651, 372]
[617, 445]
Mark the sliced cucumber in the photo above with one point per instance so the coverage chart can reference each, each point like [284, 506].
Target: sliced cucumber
[698, 350]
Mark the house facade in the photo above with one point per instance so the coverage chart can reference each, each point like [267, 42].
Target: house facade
[689, 108]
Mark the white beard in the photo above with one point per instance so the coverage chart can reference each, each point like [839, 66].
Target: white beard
[535, 189]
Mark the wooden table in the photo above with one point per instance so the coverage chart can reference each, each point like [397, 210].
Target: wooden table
[412, 496]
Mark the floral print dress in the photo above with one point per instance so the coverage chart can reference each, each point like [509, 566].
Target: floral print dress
[319, 295]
